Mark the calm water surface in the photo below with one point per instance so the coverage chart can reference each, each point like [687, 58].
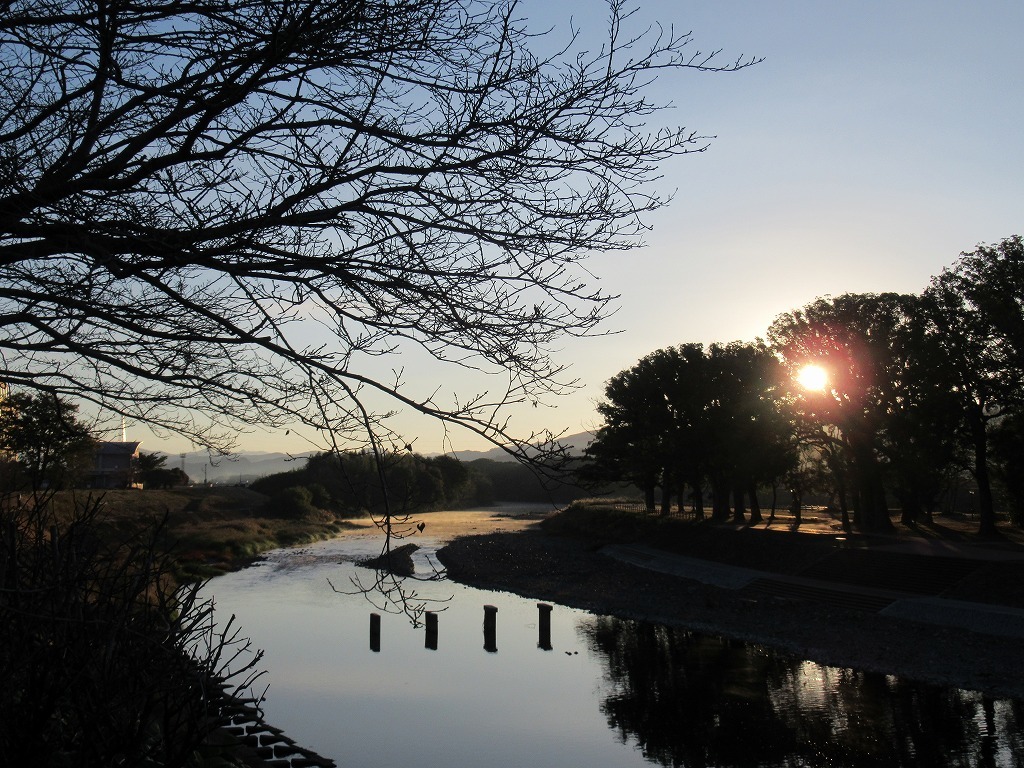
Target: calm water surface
[608, 693]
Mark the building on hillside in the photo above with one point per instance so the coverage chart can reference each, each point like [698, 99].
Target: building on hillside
[115, 465]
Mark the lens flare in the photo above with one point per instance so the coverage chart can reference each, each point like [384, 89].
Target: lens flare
[813, 377]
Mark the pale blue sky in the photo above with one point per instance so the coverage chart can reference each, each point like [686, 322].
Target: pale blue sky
[874, 143]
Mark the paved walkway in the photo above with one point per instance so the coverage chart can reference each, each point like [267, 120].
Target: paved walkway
[976, 617]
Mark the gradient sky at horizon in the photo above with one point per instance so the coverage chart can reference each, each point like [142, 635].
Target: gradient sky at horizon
[875, 142]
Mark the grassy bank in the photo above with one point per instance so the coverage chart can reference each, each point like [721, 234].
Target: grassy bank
[208, 531]
[784, 550]
[788, 547]
[611, 520]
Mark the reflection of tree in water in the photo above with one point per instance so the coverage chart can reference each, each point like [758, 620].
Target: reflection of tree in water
[693, 700]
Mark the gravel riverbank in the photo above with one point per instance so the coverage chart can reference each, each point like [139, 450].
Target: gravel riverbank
[571, 571]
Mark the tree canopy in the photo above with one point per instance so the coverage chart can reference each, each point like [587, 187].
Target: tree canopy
[219, 212]
[975, 311]
[43, 444]
[686, 416]
[885, 417]
[907, 387]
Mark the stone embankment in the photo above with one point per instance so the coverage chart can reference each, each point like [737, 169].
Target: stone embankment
[260, 745]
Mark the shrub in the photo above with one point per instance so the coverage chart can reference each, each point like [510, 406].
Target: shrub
[294, 502]
[105, 661]
[319, 496]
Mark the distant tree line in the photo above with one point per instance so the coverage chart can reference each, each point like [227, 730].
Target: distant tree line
[920, 391]
[355, 482]
[154, 473]
[44, 445]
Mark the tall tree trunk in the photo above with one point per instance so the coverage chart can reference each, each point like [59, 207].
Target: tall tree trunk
[739, 513]
[666, 493]
[874, 516]
[755, 505]
[796, 505]
[698, 498]
[910, 508]
[719, 500]
[844, 509]
[649, 497]
[986, 506]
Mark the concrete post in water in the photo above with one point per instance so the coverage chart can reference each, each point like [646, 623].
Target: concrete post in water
[544, 626]
[431, 641]
[491, 628]
[375, 632]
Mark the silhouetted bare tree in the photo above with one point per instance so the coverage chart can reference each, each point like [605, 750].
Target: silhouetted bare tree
[215, 212]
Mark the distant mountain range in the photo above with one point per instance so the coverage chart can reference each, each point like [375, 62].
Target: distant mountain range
[246, 466]
[576, 443]
[241, 469]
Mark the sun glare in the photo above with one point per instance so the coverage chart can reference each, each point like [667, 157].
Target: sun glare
[813, 377]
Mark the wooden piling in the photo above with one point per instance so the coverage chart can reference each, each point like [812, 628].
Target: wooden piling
[431, 623]
[375, 632]
[544, 626]
[491, 628]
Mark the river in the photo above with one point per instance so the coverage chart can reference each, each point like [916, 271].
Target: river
[594, 691]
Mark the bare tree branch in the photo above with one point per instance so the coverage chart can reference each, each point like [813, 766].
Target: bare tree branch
[211, 211]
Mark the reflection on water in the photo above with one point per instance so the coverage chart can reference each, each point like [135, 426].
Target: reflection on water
[499, 680]
[693, 700]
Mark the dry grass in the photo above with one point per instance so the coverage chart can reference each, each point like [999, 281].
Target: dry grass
[208, 531]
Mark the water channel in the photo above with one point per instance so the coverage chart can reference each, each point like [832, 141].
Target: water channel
[598, 692]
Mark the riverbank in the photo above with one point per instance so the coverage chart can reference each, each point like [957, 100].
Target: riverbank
[206, 531]
[571, 570]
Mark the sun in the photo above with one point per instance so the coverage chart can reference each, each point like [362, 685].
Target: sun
[813, 377]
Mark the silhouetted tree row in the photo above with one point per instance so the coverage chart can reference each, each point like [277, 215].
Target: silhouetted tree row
[920, 389]
[689, 418]
[354, 483]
